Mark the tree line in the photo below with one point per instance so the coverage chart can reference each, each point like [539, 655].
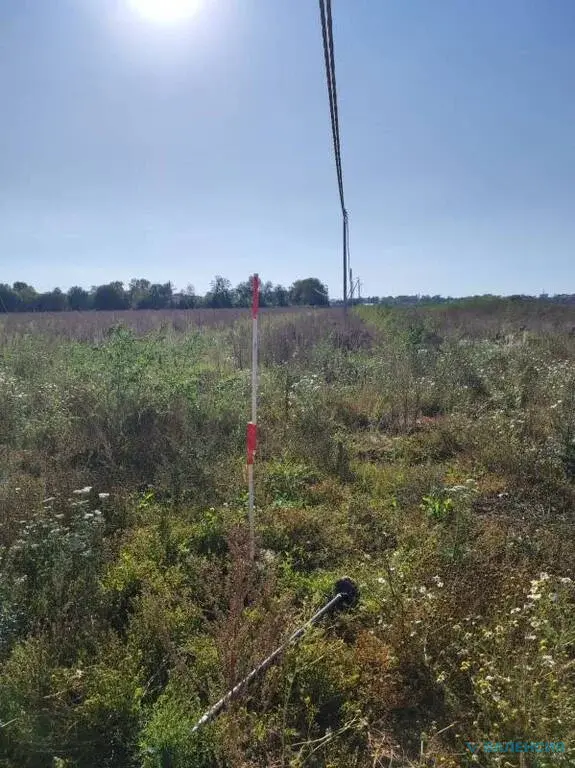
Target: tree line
[142, 294]
[469, 302]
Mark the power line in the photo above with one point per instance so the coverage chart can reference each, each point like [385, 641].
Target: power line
[329, 56]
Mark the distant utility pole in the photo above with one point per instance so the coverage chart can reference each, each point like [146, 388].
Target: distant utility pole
[353, 287]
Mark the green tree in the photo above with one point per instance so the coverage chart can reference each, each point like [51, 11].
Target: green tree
[27, 296]
[139, 290]
[111, 296]
[279, 296]
[266, 294]
[78, 299]
[9, 299]
[52, 301]
[243, 294]
[220, 295]
[188, 298]
[158, 297]
[310, 291]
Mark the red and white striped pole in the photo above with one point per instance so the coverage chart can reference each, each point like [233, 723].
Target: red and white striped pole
[252, 425]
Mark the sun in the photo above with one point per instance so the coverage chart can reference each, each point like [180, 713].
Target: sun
[165, 11]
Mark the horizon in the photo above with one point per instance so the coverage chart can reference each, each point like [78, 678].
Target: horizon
[181, 291]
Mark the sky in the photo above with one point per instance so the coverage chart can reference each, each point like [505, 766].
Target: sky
[131, 149]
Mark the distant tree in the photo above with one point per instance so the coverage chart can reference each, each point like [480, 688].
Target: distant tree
[242, 295]
[220, 295]
[138, 290]
[188, 298]
[111, 296]
[158, 297]
[27, 297]
[279, 296]
[266, 294]
[9, 299]
[52, 301]
[78, 299]
[310, 291]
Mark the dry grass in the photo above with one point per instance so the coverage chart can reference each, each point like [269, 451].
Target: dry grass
[91, 326]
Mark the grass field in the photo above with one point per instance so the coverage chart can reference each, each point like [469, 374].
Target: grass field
[429, 454]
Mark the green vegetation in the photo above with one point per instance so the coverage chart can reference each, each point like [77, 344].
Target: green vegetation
[141, 294]
[427, 453]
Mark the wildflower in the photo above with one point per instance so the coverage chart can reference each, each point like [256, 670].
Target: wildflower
[566, 580]
[548, 660]
[381, 580]
[103, 495]
[83, 491]
[530, 637]
[535, 623]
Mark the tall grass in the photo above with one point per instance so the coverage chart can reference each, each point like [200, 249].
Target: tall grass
[432, 465]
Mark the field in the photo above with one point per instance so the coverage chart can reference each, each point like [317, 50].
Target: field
[429, 454]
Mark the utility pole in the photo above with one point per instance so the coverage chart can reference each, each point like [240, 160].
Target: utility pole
[345, 260]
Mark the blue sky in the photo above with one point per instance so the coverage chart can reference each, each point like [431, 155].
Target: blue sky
[177, 153]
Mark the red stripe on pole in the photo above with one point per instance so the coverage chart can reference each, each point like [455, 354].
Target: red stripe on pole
[251, 441]
[255, 295]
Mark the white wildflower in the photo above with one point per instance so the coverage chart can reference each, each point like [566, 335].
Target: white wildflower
[83, 491]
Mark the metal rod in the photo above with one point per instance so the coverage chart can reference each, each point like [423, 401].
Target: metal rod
[347, 596]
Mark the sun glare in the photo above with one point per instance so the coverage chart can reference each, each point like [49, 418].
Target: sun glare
[165, 11]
